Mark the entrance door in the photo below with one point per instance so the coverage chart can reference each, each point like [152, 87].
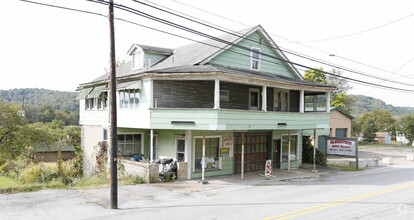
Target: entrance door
[256, 149]
[276, 155]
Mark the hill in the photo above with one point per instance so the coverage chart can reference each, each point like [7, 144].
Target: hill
[65, 101]
[367, 104]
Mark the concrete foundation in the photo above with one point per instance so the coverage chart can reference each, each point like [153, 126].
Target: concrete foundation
[182, 170]
[148, 172]
[364, 163]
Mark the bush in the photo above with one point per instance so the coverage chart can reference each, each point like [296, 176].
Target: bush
[307, 154]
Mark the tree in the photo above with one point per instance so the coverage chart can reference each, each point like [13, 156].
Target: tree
[339, 98]
[406, 126]
[315, 75]
[382, 118]
[369, 128]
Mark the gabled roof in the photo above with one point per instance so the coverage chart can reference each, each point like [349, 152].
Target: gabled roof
[343, 112]
[158, 50]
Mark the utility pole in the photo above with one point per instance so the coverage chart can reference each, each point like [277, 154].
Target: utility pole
[113, 152]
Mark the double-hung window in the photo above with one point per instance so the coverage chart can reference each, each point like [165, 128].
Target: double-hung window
[255, 59]
[130, 144]
[102, 102]
[129, 98]
[315, 102]
[281, 101]
[89, 104]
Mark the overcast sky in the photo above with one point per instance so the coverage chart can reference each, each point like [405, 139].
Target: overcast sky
[43, 47]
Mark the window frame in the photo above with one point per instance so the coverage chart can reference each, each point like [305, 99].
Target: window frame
[258, 99]
[253, 59]
[133, 133]
[124, 96]
[181, 152]
[220, 137]
[296, 150]
[315, 102]
[287, 102]
[225, 97]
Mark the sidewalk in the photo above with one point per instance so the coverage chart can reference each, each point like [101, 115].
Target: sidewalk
[257, 178]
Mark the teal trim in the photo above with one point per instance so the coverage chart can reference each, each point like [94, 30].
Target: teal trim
[343, 112]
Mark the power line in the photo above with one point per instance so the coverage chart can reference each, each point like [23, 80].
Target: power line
[140, 13]
[274, 47]
[282, 48]
[287, 61]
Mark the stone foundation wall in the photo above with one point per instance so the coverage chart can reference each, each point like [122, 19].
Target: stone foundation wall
[148, 172]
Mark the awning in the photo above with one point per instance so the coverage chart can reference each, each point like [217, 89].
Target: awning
[96, 92]
[129, 85]
[83, 93]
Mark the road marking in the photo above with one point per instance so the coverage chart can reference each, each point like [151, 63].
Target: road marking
[339, 202]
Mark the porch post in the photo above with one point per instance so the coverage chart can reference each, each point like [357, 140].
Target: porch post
[264, 98]
[203, 159]
[151, 93]
[328, 101]
[216, 94]
[242, 158]
[289, 153]
[302, 101]
[152, 146]
[314, 149]
[188, 149]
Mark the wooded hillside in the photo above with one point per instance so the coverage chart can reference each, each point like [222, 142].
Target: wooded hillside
[367, 104]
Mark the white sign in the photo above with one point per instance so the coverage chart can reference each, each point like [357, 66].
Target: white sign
[341, 147]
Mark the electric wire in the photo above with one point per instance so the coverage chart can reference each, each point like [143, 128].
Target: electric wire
[234, 33]
[129, 10]
[289, 40]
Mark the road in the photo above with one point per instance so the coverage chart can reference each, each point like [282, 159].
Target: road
[376, 193]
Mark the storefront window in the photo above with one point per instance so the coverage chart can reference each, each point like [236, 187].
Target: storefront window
[293, 147]
[211, 153]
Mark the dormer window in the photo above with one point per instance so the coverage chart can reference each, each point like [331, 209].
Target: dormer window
[255, 59]
[138, 59]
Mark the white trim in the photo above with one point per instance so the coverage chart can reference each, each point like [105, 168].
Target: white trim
[258, 98]
[302, 101]
[188, 152]
[216, 94]
[255, 59]
[175, 143]
[281, 146]
[264, 98]
[193, 149]
[151, 93]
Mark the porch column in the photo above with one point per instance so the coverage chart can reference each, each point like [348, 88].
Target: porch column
[242, 158]
[289, 153]
[151, 93]
[152, 145]
[187, 156]
[302, 101]
[216, 94]
[315, 142]
[328, 101]
[264, 98]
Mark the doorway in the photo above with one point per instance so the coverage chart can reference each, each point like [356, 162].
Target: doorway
[256, 148]
[276, 154]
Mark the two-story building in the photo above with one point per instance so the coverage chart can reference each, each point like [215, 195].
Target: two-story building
[243, 84]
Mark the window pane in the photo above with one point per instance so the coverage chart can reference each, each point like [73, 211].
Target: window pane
[136, 99]
[126, 98]
[254, 97]
[285, 147]
[211, 153]
[131, 98]
[137, 144]
[255, 54]
[321, 102]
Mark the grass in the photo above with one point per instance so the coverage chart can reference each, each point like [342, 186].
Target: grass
[11, 185]
[345, 168]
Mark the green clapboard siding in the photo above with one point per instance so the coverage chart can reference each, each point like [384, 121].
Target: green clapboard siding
[240, 58]
[211, 119]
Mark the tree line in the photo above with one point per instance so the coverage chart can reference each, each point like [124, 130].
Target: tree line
[372, 120]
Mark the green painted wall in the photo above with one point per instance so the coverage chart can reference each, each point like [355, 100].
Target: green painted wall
[209, 119]
[166, 142]
[240, 58]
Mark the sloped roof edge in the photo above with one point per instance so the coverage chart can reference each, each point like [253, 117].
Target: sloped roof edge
[343, 112]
